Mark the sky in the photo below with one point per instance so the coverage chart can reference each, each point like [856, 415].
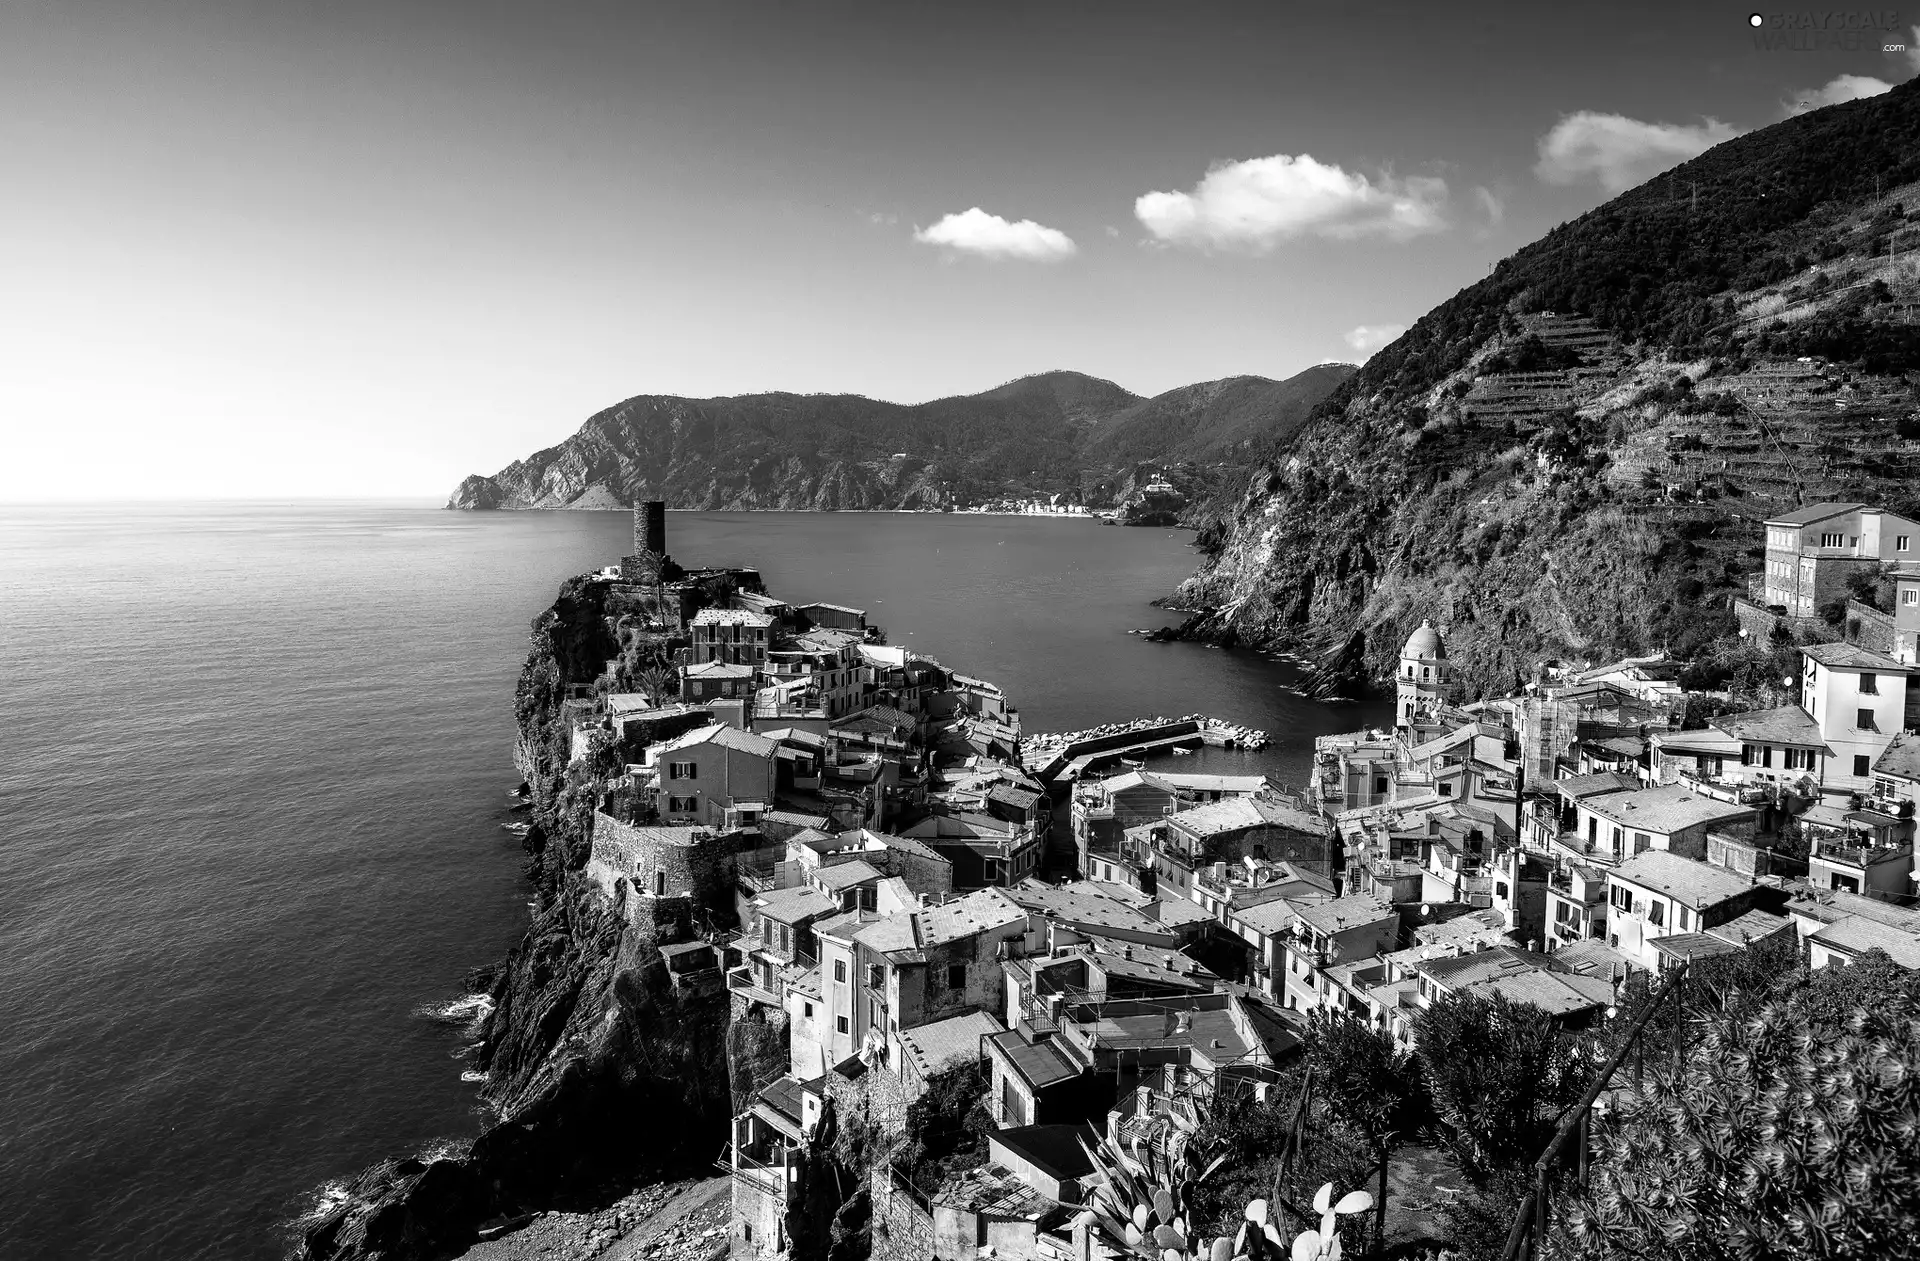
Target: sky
[333, 248]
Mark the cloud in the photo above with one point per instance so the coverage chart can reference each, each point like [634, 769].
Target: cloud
[990, 236]
[881, 219]
[1490, 205]
[1368, 338]
[1255, 204]
[1848, 87]
[1617, 152]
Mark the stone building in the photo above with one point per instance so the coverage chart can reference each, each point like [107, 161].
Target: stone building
[659, 876]
[1812, 552]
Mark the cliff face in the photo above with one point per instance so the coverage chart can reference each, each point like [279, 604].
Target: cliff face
[601, 1075]
[1060, 432]
[1573, 456]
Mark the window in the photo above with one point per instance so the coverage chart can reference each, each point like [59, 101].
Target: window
[682, 770]
[682, 805]
[1910, 596]
[659, 884]
[1446, 790]
[875, 976]
[1500, 889]
[806, 1009]
[1409, 671]
[1380, 781]
[1657, 913]
[1686, 920]
[1862, 765]
[839, 1024]
[1622, 897]
[1641, 842]
[1831, 540]
[1901, 542]
[1869, 685]
[1865, 722]
[956, 976]
[840, 970]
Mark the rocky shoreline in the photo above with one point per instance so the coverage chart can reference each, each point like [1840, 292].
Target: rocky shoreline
[601, 1076]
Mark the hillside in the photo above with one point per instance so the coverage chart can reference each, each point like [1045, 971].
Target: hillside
[1055, 433]
[1572, 457]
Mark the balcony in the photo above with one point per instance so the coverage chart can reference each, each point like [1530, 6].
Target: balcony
[741, 981]
[1840, 854]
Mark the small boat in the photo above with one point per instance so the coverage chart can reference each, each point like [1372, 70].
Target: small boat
[518, 829]
[1183, 752]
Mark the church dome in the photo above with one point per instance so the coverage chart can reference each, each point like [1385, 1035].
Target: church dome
[1425, 644]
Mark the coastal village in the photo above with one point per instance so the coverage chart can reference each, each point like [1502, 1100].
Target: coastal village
[921, 888]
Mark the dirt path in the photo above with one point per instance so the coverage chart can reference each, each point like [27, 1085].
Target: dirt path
[672, 1221]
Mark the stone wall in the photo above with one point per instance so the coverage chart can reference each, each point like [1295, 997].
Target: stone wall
[1759, 624]
[902, 1228]
[1869, 628]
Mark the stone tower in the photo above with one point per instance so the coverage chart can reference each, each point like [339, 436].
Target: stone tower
[1421, 681]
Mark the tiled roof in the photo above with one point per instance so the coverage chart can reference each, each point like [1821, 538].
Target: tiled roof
[1226, 815]
[790, 906]
[1693, 883]
[1591, 957]
[1271, 917]
[724, 736]
[1812, 513]
[1692, 946]
[1755, 925]
[1009, 795]
[1211, 783]
[1902, 758]
[1856, 934]
[1554, 994]
[1672, 808]
[1845, 656]
[837, 608]
[1460, 971]
[1341, 914]
[978, 912]
[1787, 724]
[835, 877]
[731, 617]
[1578, 787]
[947, 1043]
[1080, 907]
[718, 670]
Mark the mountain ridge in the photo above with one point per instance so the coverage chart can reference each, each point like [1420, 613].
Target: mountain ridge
[1571, 456]
[1057, 433]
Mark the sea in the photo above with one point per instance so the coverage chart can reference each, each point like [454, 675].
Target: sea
[254, 795]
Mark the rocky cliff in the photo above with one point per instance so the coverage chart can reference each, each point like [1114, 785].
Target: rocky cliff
[1573, 456]
[601, 1076]
[1057, 433]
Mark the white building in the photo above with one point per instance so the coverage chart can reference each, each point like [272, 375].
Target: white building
[1861, 701]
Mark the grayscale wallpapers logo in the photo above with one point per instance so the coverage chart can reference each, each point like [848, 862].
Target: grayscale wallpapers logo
[1808, 31]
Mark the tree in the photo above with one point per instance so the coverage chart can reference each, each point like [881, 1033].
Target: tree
[1499, 1073]
[1370, 1085]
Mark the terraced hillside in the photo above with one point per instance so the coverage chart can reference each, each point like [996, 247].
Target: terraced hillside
[1571, 457]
